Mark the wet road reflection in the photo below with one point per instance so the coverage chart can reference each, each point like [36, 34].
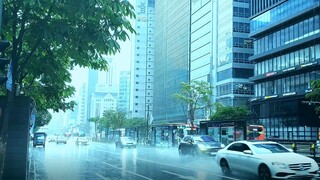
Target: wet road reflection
[104, 161]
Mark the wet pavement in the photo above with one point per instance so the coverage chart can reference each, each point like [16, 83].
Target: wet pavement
[105, 161]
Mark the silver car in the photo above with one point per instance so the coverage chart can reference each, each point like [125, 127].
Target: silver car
[125, 142]
[266, 159]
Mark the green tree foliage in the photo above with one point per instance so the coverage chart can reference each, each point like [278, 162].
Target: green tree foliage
[116, 119]
[51, 37]
[43, 118]
[135, 122]
[196, 95]
[229, 112]
[314, 95]
[96, 121]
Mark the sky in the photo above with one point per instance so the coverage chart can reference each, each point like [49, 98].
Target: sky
[122, 60]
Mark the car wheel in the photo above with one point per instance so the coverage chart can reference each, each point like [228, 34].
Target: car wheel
[180, 152]
[264, 173]
[225, 167]
[195, 152]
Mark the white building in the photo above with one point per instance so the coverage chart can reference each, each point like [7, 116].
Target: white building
[142, 66]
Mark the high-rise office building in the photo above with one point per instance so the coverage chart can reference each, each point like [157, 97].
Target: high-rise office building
[286, 58]
[220, 49]
[142, 67]
[171, 59]
[124, 92]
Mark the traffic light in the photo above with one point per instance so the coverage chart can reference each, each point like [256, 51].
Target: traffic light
[3, 61]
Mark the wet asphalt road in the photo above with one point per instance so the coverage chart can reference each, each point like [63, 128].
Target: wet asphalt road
[101, 161]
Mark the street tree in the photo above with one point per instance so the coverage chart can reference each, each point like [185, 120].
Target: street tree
[314, 95]
[96, 121]
[135, 122]
[115, 118]
[229, 112]
[48, 38]
[196, 95]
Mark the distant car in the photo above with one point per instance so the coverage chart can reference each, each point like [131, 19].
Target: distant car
[61, 139]
[199, 145]
[51, 139]
[39, 138]
[266, 160]
[82, 140]
[125, 142]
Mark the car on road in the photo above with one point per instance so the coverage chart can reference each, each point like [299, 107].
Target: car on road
[61, 139]
[125, 141]
[199, 145]
[82, 140]
[39, 139]
[266, 160]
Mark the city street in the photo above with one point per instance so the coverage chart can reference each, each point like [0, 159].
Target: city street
[105, 161]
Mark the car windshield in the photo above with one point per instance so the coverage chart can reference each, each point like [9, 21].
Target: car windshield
[203, 138]
[125, 139]
[39, 137]
[268, 148]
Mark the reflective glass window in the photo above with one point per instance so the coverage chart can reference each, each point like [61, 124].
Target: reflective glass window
[312, 55]
[306, 55]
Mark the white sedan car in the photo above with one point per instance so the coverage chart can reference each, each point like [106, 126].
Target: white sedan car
[266, 159]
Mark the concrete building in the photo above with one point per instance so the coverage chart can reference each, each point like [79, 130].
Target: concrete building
[124, 92]
[143, 65]
[104, 98]
[286, 58]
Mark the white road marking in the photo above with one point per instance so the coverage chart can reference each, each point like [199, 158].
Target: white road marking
[218, 175]
[179, 175]
[100, 176]
[144, 177]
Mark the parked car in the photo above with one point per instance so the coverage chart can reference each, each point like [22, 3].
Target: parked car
[82, 140]
[61, 139]
[125, 142]
[39, 138]
[199, 145]
[266, 160]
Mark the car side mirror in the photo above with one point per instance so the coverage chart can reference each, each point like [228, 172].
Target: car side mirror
[247, 152]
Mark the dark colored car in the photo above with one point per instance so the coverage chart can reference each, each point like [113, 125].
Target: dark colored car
[39, 139]
[199, 145]
[125, 142]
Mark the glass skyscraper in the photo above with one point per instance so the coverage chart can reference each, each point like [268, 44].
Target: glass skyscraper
[286, 58]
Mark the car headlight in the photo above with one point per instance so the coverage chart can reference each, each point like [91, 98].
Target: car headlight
[279, 165]
[202, 147]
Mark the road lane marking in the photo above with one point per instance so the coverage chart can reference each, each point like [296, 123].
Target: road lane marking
[218, 175]
[127, 171]
[179, 175]
[100, 176]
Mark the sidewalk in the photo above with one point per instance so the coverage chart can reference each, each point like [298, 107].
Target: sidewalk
[304, 149]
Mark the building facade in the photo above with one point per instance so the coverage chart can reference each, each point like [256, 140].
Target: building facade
[124, 92]
[220, 50]
[143, 65]
[286, 59]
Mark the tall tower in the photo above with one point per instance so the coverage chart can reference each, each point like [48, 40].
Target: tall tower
[143, 68]
[124, 92]
[171, 63]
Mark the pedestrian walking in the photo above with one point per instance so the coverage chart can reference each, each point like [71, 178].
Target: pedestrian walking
[294, 146]
[313, 149]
